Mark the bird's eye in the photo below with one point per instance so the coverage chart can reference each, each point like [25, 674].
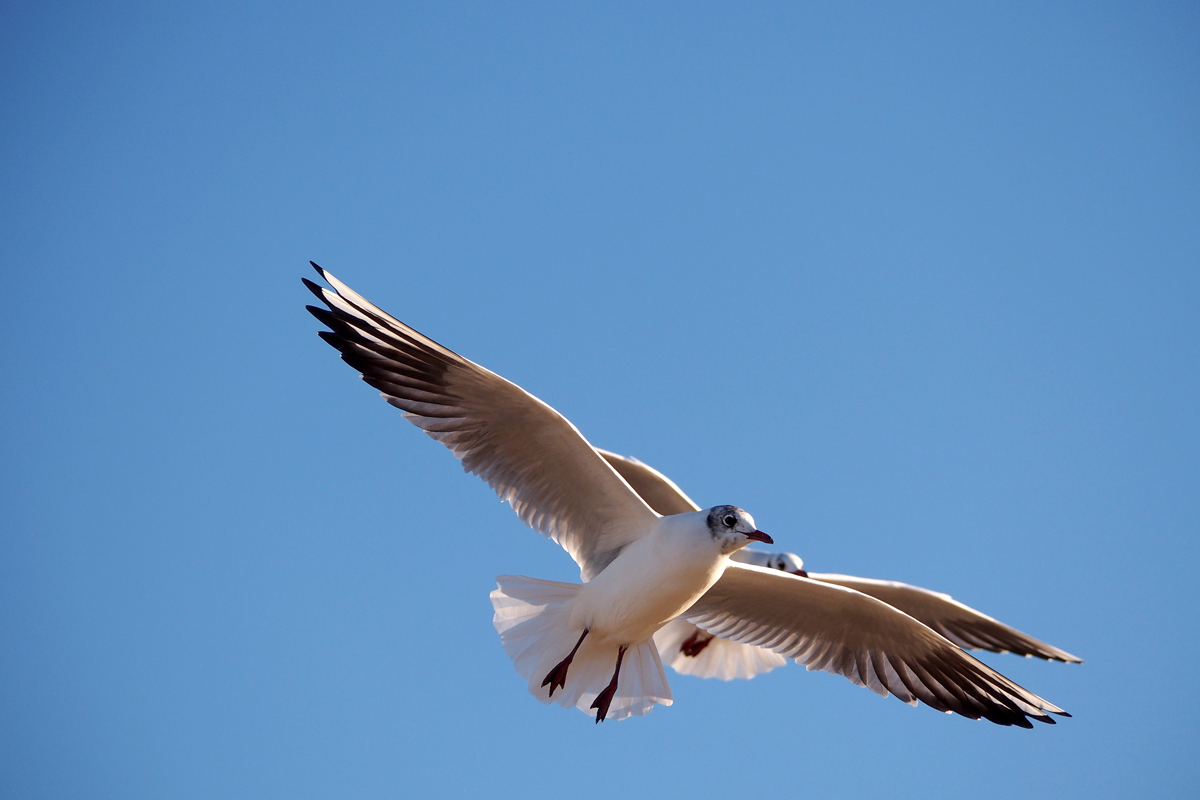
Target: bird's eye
[730, 521]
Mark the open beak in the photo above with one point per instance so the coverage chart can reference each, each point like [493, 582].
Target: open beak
[759, 536]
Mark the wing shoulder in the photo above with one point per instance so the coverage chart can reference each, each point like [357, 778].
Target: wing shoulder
[659, 491]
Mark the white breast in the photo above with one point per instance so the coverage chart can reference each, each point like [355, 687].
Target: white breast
[651, 582]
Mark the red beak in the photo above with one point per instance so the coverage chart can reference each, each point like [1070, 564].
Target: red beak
[800, 572]
[759, 536]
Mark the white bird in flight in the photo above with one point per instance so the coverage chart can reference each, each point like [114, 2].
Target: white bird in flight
[692, 651]
[640, 570]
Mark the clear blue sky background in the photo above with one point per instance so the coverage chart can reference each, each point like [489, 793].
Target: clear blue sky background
[916, 285]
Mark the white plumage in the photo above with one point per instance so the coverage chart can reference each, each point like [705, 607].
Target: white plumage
[533, 618]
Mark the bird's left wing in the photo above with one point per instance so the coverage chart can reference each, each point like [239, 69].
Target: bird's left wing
[531, 455]
[839, 630]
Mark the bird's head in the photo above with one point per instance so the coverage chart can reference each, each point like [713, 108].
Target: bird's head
[785, 562]
[733, 529]
[788, 562]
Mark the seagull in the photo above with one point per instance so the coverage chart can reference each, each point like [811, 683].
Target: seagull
[692, 651]
[593, 642]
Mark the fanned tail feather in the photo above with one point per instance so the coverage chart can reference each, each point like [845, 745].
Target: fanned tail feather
[533, 618]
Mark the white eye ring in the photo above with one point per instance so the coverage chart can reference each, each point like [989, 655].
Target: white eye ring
[730, 521]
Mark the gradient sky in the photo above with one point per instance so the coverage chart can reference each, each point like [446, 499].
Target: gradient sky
[918, 286]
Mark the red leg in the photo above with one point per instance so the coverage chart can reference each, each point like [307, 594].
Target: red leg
[557, 677]
[694, 644]
[604, 699]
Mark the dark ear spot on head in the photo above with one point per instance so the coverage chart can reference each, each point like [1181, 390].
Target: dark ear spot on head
[722, 519]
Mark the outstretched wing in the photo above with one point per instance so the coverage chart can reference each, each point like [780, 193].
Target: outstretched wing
[959, 623]
[526, 451]
[848, 633]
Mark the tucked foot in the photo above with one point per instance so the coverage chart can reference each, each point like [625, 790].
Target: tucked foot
[557, 677]
[604, 699]
[694, 644]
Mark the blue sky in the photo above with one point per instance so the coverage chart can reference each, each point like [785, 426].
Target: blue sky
[916, 285]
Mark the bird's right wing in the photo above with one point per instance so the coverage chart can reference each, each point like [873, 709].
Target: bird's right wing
[959, 623]
[531, 455]
[848, 633]
[659, 491]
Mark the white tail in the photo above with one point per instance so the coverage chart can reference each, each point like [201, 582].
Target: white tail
[720, 658]
[533, 618]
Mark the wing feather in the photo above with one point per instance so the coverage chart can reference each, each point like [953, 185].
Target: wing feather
[959, 623]
[659, 491]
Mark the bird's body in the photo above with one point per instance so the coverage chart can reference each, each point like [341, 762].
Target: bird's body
[653, 580]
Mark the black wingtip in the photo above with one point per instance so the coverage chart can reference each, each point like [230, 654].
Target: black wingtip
[317, 312]
[320, 271]
[324, 315]
[316, 289]
[332, 338]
